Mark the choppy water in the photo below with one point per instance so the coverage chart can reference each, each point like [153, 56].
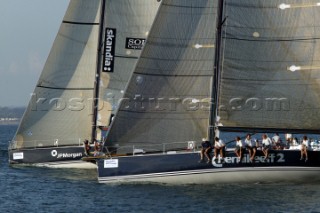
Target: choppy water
[31, 189]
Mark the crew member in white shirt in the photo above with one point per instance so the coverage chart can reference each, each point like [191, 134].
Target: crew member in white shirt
[266, 145]
[251, 145]
[239, 148]
[219, 146]
[276, 140]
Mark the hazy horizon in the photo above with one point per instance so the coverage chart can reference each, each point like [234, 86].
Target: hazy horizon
[28, 31]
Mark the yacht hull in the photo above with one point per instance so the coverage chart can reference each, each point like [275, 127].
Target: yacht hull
[54, 157]
[184, 168]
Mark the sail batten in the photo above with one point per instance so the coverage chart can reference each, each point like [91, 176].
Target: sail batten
[80, 23]
[59, 88]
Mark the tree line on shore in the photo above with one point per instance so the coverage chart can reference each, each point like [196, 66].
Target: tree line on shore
[11, 112]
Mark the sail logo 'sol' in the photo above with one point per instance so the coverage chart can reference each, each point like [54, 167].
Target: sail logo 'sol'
[135, 43]
[109, 49]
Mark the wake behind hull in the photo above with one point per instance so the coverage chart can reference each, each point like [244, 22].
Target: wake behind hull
[282, 166]
[54, 157]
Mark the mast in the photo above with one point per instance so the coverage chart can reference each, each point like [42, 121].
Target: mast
[216, 77]
[97, 75]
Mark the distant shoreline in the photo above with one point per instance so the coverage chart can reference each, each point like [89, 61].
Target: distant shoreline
[11, 115]
[4, 123]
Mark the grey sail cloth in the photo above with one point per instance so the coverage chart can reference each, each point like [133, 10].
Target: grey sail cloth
[166, 100]
[60, 111]
[260, 44]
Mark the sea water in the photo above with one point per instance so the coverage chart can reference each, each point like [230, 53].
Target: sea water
[33, 189]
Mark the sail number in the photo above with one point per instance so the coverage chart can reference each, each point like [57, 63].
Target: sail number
[281, 158]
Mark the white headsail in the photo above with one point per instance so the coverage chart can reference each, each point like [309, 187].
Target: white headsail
[60, 111]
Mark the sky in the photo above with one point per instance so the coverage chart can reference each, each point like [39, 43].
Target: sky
[27, 31]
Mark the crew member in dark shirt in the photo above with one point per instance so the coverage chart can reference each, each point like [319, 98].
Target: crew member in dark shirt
[205, 150]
